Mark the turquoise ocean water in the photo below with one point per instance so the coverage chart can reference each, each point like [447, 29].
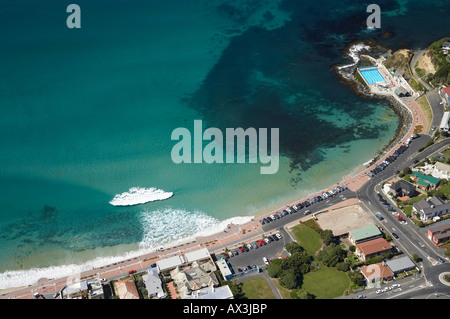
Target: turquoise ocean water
[87, 114]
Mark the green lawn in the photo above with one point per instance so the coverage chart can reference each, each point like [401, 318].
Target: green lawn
[257, 288]
[326, 283]
[307, 237]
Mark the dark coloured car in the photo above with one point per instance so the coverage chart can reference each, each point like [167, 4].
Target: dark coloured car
[395, 235]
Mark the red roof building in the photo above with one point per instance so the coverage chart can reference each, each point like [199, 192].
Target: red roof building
[372, 248]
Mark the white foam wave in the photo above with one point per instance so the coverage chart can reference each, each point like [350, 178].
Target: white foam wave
[354, 52]
[138, 195]
[163, 228]
[170, 227]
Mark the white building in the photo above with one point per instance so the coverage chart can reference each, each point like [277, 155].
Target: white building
[438, 170]
[153, 284]
[223, 292]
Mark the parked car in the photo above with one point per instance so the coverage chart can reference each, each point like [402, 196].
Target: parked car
[278, 235]
[132, 272]
[266, 261]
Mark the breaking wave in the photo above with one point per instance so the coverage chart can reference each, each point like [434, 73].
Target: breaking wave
[161, 228]
[138, 195]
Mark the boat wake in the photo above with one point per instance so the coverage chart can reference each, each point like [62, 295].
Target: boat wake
[139, 195]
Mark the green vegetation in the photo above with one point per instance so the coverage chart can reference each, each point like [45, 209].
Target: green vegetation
[426, 109]
[318, 271]
[257, 288]
[326, 283]
[440, 62]
[307, 237]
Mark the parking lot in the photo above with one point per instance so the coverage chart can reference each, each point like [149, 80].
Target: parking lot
[243, 259]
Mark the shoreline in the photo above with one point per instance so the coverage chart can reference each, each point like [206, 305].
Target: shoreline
[232, 232]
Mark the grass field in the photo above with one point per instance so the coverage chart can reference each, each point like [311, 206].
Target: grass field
[307, 237]
[257, 288]
[326, 283]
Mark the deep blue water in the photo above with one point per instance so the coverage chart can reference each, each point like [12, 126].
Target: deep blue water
[88, 113]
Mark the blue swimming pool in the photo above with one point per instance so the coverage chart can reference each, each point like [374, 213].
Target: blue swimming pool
[371, 75]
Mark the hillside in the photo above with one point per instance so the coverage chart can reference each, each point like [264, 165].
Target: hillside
[434, 66]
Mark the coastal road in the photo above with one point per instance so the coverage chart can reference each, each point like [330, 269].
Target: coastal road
[434, 99]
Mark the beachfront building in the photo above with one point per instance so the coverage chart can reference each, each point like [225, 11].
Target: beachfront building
[438, 170]
[126, 289]
[401, 92]
[431, 208]
[193, 277]
[372, 248]
[439, 234]
[87, 289]
[153, 284]
[425, 182]
[363, 234]
[224, 269]
[170, 263]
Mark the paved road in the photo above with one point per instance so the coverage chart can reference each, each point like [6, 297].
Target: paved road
[438, 109]
[411, 240]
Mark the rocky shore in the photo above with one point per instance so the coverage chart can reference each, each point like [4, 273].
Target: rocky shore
[345, 73]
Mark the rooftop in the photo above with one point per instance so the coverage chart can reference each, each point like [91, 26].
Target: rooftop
[425, 180]
[400, 264]
[373, 246]
[365, 232]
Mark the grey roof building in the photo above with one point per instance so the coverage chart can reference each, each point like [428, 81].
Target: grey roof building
[431, 207]
[399, 265]
[403, 188]
[153, 284]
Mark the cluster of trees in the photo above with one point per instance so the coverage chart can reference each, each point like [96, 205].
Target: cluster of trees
[290, 271]
[440, 62]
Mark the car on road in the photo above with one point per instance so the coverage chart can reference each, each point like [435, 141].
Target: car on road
[266, 261]
[395, 235]
[440, 259]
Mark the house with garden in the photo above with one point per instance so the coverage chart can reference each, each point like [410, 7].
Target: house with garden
[425, 182]
[431, 207]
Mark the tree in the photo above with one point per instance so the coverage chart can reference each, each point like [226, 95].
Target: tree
[407, 171]
[274, 269]
[327, 236]
[236, 289]
[301, 294]
[291, 279]
[332, 255]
